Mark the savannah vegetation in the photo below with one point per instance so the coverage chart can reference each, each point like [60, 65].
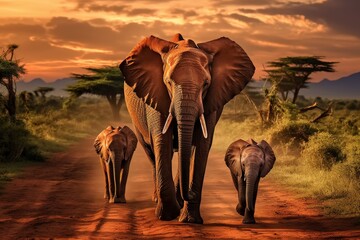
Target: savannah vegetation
[34, 124]
[316, 140]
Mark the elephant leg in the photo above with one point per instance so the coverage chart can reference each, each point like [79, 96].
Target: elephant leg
[177, 189]
[167, 206]
[240, 208]
[124, 176]
[191, 210]
[106, 191]
[150, 155]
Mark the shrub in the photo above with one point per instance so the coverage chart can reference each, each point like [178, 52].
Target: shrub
[15, 142]
[352, 150]
[353, 105]
[322, 151]
[291, 133]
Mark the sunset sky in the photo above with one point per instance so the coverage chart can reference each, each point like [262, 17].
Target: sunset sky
[59, 37]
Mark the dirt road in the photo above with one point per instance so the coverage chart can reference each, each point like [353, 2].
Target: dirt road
[62, 198]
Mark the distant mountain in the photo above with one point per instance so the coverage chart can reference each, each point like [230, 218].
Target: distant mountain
[343, 88]
[59, 85]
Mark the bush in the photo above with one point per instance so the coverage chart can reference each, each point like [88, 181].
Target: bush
[291, 133]
[15, 143]
[322, 151]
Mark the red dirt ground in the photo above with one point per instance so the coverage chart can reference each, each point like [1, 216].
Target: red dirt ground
[63, 198]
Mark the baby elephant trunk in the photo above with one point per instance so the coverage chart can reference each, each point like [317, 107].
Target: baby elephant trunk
[250, 195]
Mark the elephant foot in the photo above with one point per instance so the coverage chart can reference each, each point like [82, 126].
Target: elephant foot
[240, 209]
[167, 211]
[249, 217]
[117, 200]
[191, 213]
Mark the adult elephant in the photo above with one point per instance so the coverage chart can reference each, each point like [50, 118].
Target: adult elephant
[175, 92]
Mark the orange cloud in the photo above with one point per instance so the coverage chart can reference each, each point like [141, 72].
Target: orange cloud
[62, 36]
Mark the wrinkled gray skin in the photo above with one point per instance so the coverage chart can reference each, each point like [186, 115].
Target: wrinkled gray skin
[115, 147]
[175, 92]
[248, 161]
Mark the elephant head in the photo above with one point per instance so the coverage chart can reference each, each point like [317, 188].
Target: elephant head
[185, 82]
[115, 147]
[248, 161]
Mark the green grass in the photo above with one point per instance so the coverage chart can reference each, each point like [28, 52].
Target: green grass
[301, 149]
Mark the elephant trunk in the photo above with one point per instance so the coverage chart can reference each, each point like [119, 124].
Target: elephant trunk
[185, 133]
[250, 196]
[117, 160]
[186, 111]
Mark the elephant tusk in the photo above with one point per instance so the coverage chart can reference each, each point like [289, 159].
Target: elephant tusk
[167, 123]
[203, 126]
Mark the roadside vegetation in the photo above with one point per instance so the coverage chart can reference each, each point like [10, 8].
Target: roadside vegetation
[47, 127]
[35, 124]
[316, 141]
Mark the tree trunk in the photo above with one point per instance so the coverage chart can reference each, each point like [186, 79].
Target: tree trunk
[115, 109]
[296, 93]
[11, 101]
[283, 95]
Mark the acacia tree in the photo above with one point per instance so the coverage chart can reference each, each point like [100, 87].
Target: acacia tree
[290, 74]
[105, 81]
[10, 69]
[43, 91]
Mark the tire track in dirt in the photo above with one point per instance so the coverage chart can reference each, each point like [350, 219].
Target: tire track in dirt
[63, 198]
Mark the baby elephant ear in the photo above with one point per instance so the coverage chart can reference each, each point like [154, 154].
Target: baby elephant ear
[233, 153]
[99, 140]
[131, 142]
[231, 70]
[269, 158]
[97, 145]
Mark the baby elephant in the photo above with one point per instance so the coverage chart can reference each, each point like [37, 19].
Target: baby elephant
[248, 161]
[115, 146]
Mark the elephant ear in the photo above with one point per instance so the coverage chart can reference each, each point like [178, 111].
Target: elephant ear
[231, 70]
[99, 140]
[98, 144]
[143, 72]
[269, 158]
[233, 155]
[131, 142]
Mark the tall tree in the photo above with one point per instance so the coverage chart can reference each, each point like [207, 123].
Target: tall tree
[105, 81]
[10, 69]
[43, 91]
[291, 74]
